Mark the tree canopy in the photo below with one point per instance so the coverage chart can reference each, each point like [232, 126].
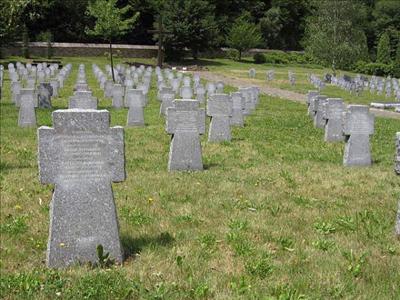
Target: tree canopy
[198, 25]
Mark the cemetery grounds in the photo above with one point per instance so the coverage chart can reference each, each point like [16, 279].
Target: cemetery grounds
[274, 215]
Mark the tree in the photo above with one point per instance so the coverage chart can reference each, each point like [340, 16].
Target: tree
[334, 35]
[191, 24]
[283, 24]
[109, 22]
[383, 51]
[16, 15]
[244, 35]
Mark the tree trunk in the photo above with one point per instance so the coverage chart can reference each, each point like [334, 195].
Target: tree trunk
[112, 62]
[240, 55]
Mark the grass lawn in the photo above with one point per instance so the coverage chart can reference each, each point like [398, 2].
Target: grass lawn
[273, 216]
[236, 69]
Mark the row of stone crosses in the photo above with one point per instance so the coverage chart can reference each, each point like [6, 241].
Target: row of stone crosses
[353, 124]
[33, 86]
[270, 75]
[181, 104]
[82, 155]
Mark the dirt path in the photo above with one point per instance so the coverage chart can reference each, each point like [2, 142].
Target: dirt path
[275, 92]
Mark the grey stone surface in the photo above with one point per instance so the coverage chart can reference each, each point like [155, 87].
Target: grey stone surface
[81, 155]
[27, 104]
[219, 108]
[108, 88]
[82, 102]
[186, 92]
[310, 98]
[237, 109]
[201, 94]
[167, 99]
[252, 73]
[397, 156]
[118, 96]
[333, 114]
[220, 87]
[358, 126]
[55, 85]
[15, 91]
[185, 122]
[44, 95]
[318, 107]
[246, 93]
[135, 101]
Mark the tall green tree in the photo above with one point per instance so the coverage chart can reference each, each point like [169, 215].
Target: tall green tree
[334, 35]
[16, 16]
[283, 24]
[387, 19]
[383, 51]
[244, 35]
[191, 24]
[110, 22]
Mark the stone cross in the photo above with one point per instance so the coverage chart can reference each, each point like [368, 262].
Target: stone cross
[27, 103]
[237, 109]
[118, 96]
[358, 126]
[318, 108]
[220, 87]
[333, 114]
[83, 100]
[15, 91]
[44, 95]
[210, 87]
[167, 99]
[186, 92]
[219, 108]
[108, 88]
[397, 157]
[55, 85]
[246, 93]
[81, 155]
[200, 93]
[185, 122]
[252, 73]
[135, 101]
[310, 96]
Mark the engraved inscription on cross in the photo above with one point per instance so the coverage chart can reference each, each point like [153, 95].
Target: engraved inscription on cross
[81, 155]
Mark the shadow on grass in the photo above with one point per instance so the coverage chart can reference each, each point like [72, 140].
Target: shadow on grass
[133, 246]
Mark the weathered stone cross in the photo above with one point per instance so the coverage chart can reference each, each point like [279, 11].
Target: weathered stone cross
[81, 155]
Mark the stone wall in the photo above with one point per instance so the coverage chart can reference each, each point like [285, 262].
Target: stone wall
[80, 49]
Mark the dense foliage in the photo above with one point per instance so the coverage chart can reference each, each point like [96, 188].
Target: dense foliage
[198, 25]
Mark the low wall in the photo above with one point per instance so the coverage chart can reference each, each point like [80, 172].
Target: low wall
[127, 51]
[80, 49]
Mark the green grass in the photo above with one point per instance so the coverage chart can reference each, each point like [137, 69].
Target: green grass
[274, 215]
[240, 70]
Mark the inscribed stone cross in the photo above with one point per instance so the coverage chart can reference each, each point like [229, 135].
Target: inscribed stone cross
[333, 114]
[237, 109]
[185, 122]
[27, 103]
[318, 108]
[358, 126]
[135, 100]
[81, 155]
[219, 108]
